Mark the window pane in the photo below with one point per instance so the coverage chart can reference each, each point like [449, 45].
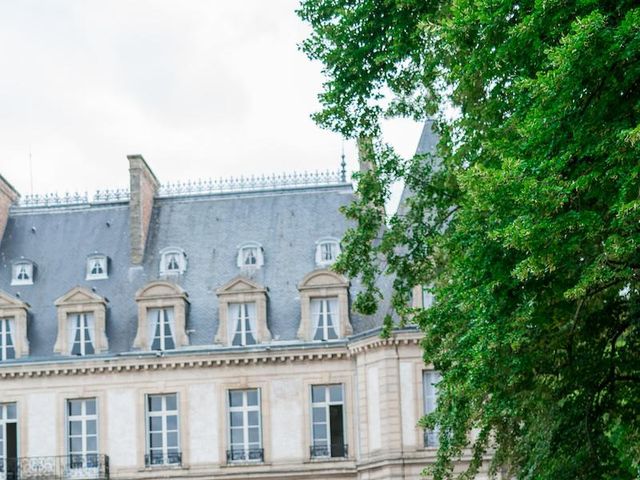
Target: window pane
[237, 435]
[254, 435]
[90, 406]
[11, 411]
[155, 440]
[155, 403]
[319, 414]
[155, 424]
[317, 393]
[253, 418]
[252, 397]
[172, 439]
[172, 422]
[75, 444]
[75, 407]
[319, 432]
[172, 403]
[335, 393]
[236, 419]
[75, 428]
[92, 444]
[235, 398]
[91, 427]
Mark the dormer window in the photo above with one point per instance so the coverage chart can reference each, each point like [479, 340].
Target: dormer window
[81, 330]
[97, 267]
[22, 273]
[173, 261]
[250, 256]
[327, 251]
[324, 313]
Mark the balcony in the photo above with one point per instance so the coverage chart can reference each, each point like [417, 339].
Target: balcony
[65, 467]
[335, 450]
[157, 459]
[245, 455]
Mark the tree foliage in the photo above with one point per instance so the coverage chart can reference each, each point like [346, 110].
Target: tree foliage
[525, 222]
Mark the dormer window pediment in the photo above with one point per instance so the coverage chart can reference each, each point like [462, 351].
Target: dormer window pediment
[173, 261]
[22, 272]
[81, 323]
[13, 327]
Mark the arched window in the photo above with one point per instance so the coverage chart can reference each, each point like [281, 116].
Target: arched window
[22, 272]
[250, 256]
[327, 251]
[97, 267]
[173, 261]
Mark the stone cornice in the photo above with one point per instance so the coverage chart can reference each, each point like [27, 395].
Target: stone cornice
[271, 354]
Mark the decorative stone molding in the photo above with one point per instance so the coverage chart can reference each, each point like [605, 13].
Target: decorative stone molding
[242, 290]
[323, 284]
[161, 294]
[13, 308]
[81, 300]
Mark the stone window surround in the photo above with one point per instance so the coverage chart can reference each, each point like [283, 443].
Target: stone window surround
[323, 284]
[81, 300]
[242, 290]
[16, 310]
[161, 294]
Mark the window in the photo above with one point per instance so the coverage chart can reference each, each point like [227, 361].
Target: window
[7, 350]
[163, 447]
[327, 419]
[82, 434]
[162, 326]
[97, 267]
[430, 381]
[8, 441]
[242, 318]
[427, 297]
[250, 256]
[327, 251]
[245, 436]
[81, 332]
[22, 273]
[324, 312]
[173, 261]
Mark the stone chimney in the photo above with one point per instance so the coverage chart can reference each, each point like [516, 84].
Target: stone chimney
[8, 196]
[143, 188]
[365, 153]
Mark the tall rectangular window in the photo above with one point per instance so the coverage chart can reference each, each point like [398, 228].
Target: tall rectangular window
[242, 319]
[7, 349]
[245, 435]
[324, 312]
[430, 381]
[81, 332]
[161, 326]
[163, 446]
[8, 441]
[82, 433]
[328, 423]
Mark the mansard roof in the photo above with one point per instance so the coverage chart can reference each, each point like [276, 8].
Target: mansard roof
[208, 227]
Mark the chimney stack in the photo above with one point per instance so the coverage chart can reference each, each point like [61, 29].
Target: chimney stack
[8, 196]
[143, 188]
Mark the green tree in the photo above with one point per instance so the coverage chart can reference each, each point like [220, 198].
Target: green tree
[525, 221]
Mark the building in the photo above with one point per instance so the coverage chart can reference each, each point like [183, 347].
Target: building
[197, 331]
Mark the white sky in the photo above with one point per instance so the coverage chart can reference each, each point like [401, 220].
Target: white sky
[200, 88]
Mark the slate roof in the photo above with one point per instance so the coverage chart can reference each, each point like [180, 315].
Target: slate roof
[209, 228]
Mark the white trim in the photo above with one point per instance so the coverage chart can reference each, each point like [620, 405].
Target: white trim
[22, 267]
[257, 255]
[246, 445]
[164, 413]
[7, 329]
[100, 261]
[173, 256]
[327, 246]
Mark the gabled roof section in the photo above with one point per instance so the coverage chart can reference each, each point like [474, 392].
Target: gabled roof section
[79, 296]
[9, 301]
[240, 284]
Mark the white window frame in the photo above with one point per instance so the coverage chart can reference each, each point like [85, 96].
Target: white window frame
[326, 403]
[16, 271]
[7, 417]
[181, 260]
[87, 324]
[324, 303]
[103, 263]
[321, 245]
[247, 312]
[162, 322]
[244, 452]
[7, 329]
[430, 380]
[163, 414]
[258, 253]
[89, 458]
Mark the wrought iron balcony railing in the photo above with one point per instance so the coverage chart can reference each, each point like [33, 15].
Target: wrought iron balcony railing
[245, 455]
[335, 450]
[92, 466]
[160, 458]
